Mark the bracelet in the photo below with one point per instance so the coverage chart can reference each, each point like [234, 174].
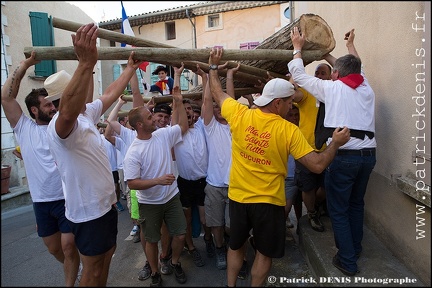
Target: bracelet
[295, 52]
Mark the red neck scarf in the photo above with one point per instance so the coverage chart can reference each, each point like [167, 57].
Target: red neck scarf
[162, 84]
[352, 80]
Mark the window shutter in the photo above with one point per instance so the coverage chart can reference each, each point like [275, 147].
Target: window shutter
[140, 85]
[153, 78]
[184, 84]
[116, 71]
[43, 35]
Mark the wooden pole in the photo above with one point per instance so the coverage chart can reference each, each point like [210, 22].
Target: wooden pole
[108, 34]
[193, 96]
[161, 54]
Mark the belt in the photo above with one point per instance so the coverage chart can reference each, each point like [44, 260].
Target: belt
[360, 152]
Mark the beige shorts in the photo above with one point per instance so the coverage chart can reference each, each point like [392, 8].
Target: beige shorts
[216, 206]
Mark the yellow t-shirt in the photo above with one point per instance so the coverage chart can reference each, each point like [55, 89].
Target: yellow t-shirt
[308, 115]
[261, 143]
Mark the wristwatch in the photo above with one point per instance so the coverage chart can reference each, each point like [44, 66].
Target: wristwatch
[213, 67]
[296, 52]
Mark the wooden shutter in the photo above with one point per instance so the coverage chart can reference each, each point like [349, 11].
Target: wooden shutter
[43, 35]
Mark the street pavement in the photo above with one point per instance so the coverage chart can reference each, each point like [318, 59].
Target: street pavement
[26, 262]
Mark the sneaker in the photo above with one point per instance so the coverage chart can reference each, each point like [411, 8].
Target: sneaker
[145, 272]
[178, 272]
[221, 261]
[123, 196]
[156, 280]
[196, 257]
[315, 222]
[165, 269]
[134, 230]
[289, 224]
[336, 262]
[243, 273]
[119, 206]
[210, 247]
[137, 237]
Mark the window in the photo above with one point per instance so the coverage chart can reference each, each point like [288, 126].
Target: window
[248, 45]
[170, 31]
[214, 22]
[43, 35]
[118, 69]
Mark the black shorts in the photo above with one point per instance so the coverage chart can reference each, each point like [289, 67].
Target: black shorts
[267, 222]
[50, 218]
[116, 177]
[307, 180]
[191, 191]
[97, 236]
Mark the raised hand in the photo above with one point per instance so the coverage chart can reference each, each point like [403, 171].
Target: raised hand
[84, 42]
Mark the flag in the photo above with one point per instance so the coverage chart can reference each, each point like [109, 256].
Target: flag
[126, 29]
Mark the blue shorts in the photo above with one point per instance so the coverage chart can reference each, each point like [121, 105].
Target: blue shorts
[97, 236]
[50, 218]
[291, 189]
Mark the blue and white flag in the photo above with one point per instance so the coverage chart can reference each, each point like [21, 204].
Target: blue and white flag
[126, 28]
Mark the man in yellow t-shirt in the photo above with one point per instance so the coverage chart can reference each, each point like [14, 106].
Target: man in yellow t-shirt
[311, 184]
[261, 142]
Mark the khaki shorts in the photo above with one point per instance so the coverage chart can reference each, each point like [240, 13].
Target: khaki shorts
[171, 212]
[216, 206]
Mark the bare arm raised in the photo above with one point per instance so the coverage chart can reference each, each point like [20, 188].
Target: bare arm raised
[138, 100]
[179, 112]
[113, 124]
[10, 89]
[214, 82]
[75, 94]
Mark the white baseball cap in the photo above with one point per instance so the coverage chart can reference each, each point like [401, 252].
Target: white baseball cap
[273, 89]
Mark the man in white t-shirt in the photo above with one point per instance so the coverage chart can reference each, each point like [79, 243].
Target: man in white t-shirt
[83, 163]
[43, 177]
[349, 101]
[149, 169]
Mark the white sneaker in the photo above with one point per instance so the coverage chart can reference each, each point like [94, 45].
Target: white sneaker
[134, 230]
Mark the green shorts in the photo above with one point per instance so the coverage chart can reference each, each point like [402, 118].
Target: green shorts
[134, 205]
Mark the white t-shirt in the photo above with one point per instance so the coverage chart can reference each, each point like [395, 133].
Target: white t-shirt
[84, 167]
[191, 153]
[121, 152]
[123, 142]
[43, 177]
[344, 106]
[149, 159]
[218, 138]
[111, 153]
[127, 135]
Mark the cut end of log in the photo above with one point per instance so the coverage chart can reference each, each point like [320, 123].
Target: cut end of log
[318, 33]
